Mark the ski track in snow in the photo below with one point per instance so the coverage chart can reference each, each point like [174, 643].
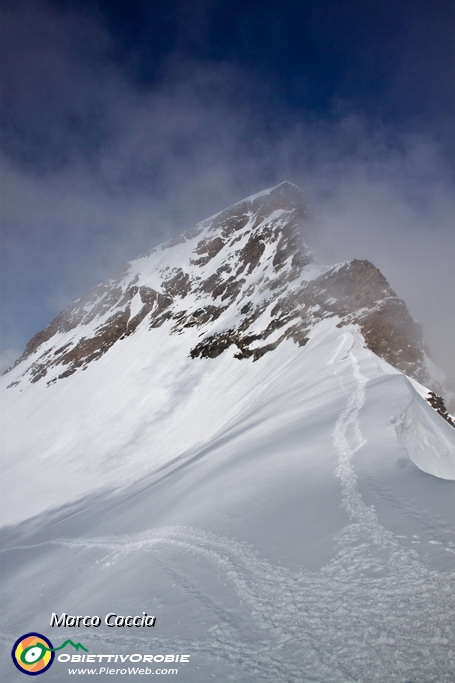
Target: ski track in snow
[347, 440]
[373, 614]
[363, 617]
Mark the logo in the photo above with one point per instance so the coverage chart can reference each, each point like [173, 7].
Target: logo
[33, 653]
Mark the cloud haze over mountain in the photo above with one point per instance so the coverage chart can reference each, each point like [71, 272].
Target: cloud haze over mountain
[122, 128]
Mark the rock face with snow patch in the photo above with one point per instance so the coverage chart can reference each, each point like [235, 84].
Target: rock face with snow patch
[244, 278]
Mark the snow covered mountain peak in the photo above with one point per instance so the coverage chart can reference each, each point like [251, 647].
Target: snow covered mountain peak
[243, 280]
[285, 193]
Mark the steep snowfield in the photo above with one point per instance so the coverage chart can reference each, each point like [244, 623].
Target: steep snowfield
[267, 513]
[94, 431]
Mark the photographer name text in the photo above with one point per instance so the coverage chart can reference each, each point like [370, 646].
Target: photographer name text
[111, 620]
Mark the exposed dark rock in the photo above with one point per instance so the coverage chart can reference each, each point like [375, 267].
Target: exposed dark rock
[229, 289]
[250, 254]
[199, 317]
[116, 327]
[298, 333]
[153, 301]
[179, 285]
[209, 285]
[159, 318]
[290, 244]
[437, 402]
[92, 348]
[229, 223]
[37, 372]
[63, 348]
[214, 345]
[393, 335]
[209, 249]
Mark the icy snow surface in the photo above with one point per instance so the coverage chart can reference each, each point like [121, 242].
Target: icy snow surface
[268, 513]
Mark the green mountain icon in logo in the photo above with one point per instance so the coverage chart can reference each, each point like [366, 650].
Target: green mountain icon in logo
[77, 646]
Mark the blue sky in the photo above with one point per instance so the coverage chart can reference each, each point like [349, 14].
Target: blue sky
[124, 122]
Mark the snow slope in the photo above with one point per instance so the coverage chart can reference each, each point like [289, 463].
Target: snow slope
[269, 513]
[282, 533]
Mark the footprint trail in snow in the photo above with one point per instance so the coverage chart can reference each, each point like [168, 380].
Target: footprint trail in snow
[373, 614]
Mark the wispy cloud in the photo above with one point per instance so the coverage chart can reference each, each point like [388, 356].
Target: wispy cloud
[7, 358]
[96, 168]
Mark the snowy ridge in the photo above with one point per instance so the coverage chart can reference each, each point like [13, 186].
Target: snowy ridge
[194, 400]
[227, 435]
[286, 566]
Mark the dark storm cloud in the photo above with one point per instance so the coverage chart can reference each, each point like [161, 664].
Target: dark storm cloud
[97, 166]
[55, 83]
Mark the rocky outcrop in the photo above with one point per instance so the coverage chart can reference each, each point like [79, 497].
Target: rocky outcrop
[246, 280]
[437, 402]
[110, 305]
